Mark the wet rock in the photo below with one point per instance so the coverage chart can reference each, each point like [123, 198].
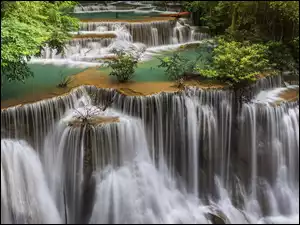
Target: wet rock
[217, 218]
[93, 121]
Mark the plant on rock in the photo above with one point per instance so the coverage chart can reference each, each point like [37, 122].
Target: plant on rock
[64, 80]
[124, 64]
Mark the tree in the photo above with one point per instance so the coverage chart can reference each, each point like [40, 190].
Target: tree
[237, 63]
[174, 66]
[177, 66]
[124, 64]
[250, 20]
[284, 57]
[26, 27]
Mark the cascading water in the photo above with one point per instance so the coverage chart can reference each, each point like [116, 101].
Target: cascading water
[153, 196]
[95, 40]
[168, 32]
[25, 197]
[165, 158]
[270, 140]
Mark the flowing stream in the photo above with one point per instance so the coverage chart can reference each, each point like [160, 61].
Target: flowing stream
[164, 158]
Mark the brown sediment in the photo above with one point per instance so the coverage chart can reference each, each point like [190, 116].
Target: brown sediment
[141, 20]
[108, 57]
[31, 98]
[94, 77]
[108, 35]
[290, 95]
[177, 15]
[265, 74]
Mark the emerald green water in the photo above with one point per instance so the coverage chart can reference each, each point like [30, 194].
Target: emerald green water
[46, 77]
[115, 15]
[149, 70]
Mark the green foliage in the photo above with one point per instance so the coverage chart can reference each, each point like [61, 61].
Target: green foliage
[281, 57]
[17, 70]
[237, 63]
[175, 66]
[27, 26]
[250, 20]
[273, 26]
[287, 9]
[123, 66]
[210, 15]
[294, 47]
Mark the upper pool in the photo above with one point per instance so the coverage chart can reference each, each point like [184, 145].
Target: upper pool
[126, 15]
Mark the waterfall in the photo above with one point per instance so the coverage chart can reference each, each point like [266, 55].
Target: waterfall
[95, 40]
[25, 197]
[140, 32]
[33, 121]
[151, 33]
[89, 49]
[93, 8]
[270, 140]
[164, 158]
[181, 32]
[63, 156]
[154, 36]
[86, 42]
[123, 162]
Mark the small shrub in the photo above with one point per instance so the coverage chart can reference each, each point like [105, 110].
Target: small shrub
[123, 66]
[177, 66]
[64, 81]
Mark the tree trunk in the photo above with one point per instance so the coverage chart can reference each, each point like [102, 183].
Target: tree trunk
[233, 19]
[282, 29]
[196, 18]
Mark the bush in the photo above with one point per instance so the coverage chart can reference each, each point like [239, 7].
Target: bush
[281, 57]
[123, 66]
[176, 66]
[64, 80]
[237, 63]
